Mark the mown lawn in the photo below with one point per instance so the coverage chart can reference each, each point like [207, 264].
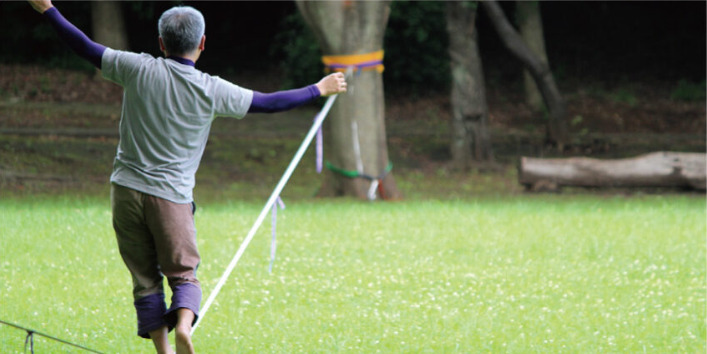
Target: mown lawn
[523, 273]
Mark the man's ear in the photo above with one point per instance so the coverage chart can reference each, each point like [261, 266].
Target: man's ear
[202, 43]
[159, 39]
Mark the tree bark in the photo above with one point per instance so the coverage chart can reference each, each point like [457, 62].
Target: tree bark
[357, 139]
[530, 25]
[557, 125]
[470, 134]
[108, 25]
[658, 169]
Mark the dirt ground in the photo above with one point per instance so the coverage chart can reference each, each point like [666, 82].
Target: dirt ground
[635, 107]
[605, 120]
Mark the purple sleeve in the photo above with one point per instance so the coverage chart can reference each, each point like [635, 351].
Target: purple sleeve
[77, 40]
[282, 100]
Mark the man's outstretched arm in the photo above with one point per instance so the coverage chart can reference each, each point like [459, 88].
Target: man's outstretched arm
[77, 40]
[284, 100]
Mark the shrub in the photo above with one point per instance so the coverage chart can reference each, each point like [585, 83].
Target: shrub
[688, 91]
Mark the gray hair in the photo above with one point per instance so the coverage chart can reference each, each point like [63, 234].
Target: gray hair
[181, 29]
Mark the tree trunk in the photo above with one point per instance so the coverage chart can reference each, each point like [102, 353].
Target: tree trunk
[357, 139]
[658, 169]
[530, 25]
[557, 125]
[108, 25]
[470, 135]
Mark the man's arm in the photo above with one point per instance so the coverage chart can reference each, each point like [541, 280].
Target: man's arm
[41, 5]
[77, 40]
[284, 100]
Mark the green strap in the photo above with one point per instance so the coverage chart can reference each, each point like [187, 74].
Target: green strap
[354, 174]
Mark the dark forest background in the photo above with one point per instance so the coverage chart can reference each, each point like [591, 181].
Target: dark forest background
[611, 41]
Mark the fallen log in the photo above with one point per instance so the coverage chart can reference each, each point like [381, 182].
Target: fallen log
[657, 169]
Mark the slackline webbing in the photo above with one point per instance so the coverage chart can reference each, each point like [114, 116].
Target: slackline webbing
[30, 338]
[267, 208]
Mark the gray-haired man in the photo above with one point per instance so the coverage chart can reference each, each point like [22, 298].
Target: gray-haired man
[168, 107]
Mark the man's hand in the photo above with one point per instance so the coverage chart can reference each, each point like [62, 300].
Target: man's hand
[332, 84]
[41, 5]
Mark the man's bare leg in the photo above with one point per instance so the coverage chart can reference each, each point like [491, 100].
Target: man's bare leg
[160, 339]
[182, 332]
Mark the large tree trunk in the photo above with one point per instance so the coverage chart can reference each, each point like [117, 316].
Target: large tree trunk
[470, 135]
[557, 125]
[658, 169]
[357, 121]
[108, 25]
[530, 24]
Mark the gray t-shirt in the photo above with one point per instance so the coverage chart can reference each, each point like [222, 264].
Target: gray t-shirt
[167, 112]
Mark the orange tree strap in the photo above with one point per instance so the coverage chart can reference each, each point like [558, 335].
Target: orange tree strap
[366, 61]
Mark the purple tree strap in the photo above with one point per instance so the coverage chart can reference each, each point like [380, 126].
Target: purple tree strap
[273, 244]
[359, 66]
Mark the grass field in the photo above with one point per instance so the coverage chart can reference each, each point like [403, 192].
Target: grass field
[528, 273]
[467, 263]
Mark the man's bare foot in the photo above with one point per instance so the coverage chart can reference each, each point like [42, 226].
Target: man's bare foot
[182, 339]
[182, 332]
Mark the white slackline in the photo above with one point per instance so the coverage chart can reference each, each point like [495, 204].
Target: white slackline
[273, 197]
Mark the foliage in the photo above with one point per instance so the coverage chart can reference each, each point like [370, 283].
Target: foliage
[145, 10]
[33, 40]
[531, 273]
[298, 52]
[416, 59]
[688, 91]
[624, 95]
[416, 44]
[664, 40]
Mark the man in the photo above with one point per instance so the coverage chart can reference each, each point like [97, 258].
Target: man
[168, 107]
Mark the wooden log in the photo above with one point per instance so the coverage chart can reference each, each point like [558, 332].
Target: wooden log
[657, 169]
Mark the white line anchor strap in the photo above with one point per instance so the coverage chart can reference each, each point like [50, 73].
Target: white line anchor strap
[273, 244]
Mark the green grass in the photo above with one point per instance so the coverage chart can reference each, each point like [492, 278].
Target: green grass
[560, 273]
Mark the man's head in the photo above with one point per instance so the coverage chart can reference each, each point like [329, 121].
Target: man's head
[181, 29]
